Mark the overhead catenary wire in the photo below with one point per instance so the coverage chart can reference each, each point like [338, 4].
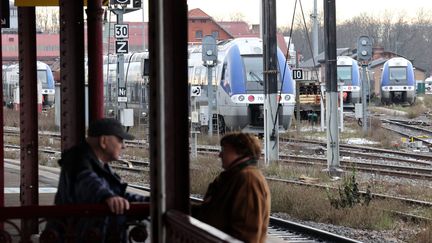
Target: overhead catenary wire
[284, 71]
[287, 54]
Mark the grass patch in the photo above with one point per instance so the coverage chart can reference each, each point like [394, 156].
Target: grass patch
[312, 204]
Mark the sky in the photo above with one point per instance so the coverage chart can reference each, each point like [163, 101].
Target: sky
[250, 9]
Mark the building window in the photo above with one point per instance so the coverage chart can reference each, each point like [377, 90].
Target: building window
[203, 21]
[198, 34]
[215, 34]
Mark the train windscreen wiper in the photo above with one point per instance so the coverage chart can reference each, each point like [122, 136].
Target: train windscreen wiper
[257, 78]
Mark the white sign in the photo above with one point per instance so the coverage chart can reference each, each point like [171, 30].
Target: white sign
[195, 117]
[297, 74]
[121, 31]
[121, 99]
[122, 47]
[196, 91]
[121, 96]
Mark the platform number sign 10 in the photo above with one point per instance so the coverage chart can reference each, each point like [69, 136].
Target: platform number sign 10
[121, 31]
[297, 74]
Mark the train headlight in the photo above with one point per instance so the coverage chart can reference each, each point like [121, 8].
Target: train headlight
[251, 98]
[241, 98]
[287, 97]
[404, 87]
[391, 88]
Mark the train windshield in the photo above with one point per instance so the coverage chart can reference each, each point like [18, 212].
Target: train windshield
[254, 68]
[344, 73]
[254, 73]
[398, 73]
[42, 78]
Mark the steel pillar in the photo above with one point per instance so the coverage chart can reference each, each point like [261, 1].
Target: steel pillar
[169, 145]
[333, 163]
[95, 61]
[29, 186]
[72, 73]
[2, 175]
[271, 123]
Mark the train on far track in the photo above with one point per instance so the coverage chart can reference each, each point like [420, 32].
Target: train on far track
[348, 76]
[45, 83]
[398, 84]
[239, 85]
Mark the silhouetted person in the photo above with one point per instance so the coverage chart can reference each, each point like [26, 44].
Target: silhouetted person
[86, 177]
[238, 200]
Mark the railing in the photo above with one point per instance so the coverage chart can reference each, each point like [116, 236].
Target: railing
[69, 215]
[184, 228]
[180, 227]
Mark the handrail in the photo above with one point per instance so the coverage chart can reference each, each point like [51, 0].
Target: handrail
[76, 210]
[189, 229]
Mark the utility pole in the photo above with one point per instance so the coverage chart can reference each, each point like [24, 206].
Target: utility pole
[333, 163]
[271, 123]
[315, 30]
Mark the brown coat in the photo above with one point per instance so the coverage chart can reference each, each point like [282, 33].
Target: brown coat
[238, 203]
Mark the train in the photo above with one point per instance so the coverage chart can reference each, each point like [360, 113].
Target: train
[239, 84]
[237, 80]
[45, 83]
[348, 74]
[136, 78]
[398, 84]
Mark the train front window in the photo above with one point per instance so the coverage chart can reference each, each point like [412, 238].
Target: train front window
[344, 73]
[398, 73]
[254, 68]
[42, 78]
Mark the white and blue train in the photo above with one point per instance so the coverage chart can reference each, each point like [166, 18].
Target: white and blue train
[240, 85]
[349, 76]
[45, 84]
[398, 82]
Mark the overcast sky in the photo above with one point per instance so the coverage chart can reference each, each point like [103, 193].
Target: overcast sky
[344, 8]
[225, 9]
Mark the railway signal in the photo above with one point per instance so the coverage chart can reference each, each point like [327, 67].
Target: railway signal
[364, 53]
[364, 48]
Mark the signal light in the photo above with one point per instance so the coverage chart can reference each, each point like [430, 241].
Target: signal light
[251, 98]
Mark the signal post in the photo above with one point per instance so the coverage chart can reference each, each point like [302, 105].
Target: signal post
[121, 33]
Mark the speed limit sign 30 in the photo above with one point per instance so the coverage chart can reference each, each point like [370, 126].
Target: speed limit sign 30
[121, 31]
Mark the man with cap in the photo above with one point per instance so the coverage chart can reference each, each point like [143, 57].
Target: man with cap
[86, 177]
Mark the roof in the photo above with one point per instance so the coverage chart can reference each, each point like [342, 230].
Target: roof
[197, 13]
[346, 51]
[236, 28]
[377, 62]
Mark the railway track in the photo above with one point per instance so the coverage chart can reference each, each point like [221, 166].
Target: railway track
[289, 231]
[415, 132]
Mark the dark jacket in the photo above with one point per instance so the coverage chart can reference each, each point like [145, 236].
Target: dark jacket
[238, 203]
[84, 179]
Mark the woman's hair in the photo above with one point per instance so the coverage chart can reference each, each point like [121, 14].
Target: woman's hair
[243, 143]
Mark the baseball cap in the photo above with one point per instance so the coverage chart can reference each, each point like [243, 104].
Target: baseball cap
[108, 126]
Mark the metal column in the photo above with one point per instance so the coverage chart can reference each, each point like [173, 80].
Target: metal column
[169, 145]
[95, 61]
[271, 123]
[72, 73]
[2, 175]
[333, 163]
[29, 186]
